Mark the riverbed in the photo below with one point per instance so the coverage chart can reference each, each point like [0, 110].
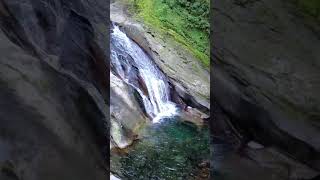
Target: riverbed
[171, 149]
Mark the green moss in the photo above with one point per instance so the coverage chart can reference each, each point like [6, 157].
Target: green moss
[179, 22]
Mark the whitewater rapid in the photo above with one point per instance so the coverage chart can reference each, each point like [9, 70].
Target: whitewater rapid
[125, 55]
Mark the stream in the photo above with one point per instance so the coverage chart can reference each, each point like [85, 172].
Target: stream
[168, 148]
[148, 80]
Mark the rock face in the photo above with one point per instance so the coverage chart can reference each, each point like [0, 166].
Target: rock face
[265, 57]
[185, 72]
[126, 114]
[53, 78]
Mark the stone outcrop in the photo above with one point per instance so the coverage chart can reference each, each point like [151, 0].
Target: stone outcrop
[266, 81]
[54, 90]
[126, 113]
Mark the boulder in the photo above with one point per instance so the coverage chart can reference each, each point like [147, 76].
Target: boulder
[126, 113]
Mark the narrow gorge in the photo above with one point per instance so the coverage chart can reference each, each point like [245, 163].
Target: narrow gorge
[74, 92]
[154, 133]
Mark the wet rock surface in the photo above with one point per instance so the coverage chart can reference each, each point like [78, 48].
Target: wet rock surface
[185, 72]
[126, 113]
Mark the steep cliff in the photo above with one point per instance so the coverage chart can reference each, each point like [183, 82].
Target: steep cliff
[265, 61]
[54, 90]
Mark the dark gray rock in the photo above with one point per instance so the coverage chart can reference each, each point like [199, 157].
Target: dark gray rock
[265, 61]
[53, 79]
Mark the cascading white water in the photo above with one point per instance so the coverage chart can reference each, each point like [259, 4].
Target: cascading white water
[125, 55]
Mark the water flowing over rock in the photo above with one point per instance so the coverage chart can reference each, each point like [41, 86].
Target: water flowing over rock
[183, 70]
[136, 68]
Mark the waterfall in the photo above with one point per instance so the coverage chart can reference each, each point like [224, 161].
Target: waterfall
[136, 68]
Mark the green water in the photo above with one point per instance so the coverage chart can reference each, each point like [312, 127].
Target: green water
[168, 150]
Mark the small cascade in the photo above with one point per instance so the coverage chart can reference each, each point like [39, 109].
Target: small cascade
[136, 68]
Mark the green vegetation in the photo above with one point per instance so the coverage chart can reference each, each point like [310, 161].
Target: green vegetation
[186, 21]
